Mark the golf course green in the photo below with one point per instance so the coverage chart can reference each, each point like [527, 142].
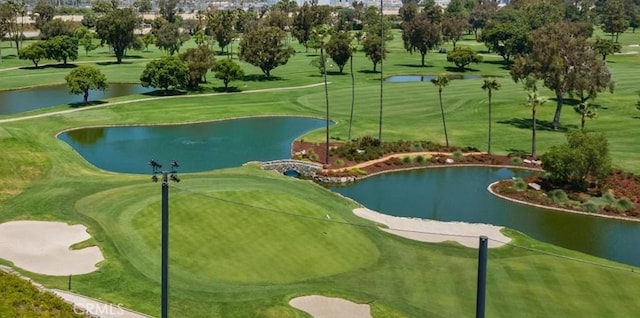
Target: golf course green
[245, 241]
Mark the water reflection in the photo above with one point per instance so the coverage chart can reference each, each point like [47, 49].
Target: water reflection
[22, 100]
[88, 136]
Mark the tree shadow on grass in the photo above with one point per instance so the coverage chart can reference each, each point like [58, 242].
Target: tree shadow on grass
[574, 102]
[162, 92]
[368, 72]
[414, 65]
[230, 89]
[260, 78]
[542, 125]
[518, 152]
[500, 63]
[47, 66]
[89, 103]
[330, 73]
[455, 69]
[113, 63]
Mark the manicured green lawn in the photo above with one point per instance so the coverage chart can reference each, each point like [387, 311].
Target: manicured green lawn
[231, 260]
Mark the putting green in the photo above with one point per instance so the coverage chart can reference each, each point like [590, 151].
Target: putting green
[272, 236]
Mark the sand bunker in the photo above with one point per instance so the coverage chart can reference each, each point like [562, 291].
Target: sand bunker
[330, 307]
[43, 247]
[436, 231]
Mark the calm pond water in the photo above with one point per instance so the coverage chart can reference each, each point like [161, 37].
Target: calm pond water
[197, 147]
[426, 78]
[460, 194]
[22, 100]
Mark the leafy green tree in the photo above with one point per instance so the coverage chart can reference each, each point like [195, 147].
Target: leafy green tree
[506, 39]
[147, 40]
[167, 36]
[103, 7]
[86, 39]
[62, 48]
[89, 19]
[533, 102]
[490, 85]
[199, 60]
[264, 48]
[221, 23]
[84, 78]
[453, 28]
[480, 16]
[116, 29]
[605, 47]
[613, 18]
[584, 157]
[556, 57]
[164, 73]
[441, 82]
[56, 27]
[340, 49]
[373, 24]
[421, 35]
[586, 110]
[372, 47]
[227, 70]
[462, 56]
[168, 9]
[34, 52]
[42, 13]
[302, 25]
[143, 6]
[278, 19]
[9, 13]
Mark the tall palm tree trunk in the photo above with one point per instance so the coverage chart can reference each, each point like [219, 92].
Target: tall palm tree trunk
[533, 132]
[444, 123]
[489, 146]
[353, 97]
[326, 96]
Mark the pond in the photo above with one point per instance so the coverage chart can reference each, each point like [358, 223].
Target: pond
[426, 78]
[22, 100]
[460, 194]
[197, 147]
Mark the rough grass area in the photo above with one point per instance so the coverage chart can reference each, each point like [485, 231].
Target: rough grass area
[18, 298]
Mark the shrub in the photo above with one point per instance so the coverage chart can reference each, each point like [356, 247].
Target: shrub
[625, 205]
[357, 171]
[516, 160]
[589, 207]
[416, 147]
[519, 184]
[557, 196]
[420, 159]
[339, 163]
[609, 197]
[406, 160]
[457, 154]
[313, 156]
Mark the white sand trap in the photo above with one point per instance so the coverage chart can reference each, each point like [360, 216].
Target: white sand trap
[43, 247]
[436, 231]
[330, 307]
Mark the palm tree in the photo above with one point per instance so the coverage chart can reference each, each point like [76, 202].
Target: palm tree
[533, 101]
[585, 110]
[490, 85]
[381, 68]
[323, 31]
[353, 89]
[441, 81]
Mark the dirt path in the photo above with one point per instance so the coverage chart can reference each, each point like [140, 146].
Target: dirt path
[401, 155]
[8, 120]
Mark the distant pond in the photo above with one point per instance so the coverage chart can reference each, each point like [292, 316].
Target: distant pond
[197, 147]
[427, 78]
[22, 100]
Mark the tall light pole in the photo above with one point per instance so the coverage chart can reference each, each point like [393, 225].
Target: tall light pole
[381, 69]
[166, 176]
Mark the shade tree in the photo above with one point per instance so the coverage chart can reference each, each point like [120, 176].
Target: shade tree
[116, 29]
[265, 49]
[198, 60]
[462, 56]
[165, 73]
[34, 52]
[373, 49]
[339, 48]
[84, 78]
[227, 70]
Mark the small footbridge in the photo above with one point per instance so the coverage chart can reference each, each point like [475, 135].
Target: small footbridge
[304, 168]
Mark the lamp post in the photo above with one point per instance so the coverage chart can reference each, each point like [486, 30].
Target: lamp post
[166, 176]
